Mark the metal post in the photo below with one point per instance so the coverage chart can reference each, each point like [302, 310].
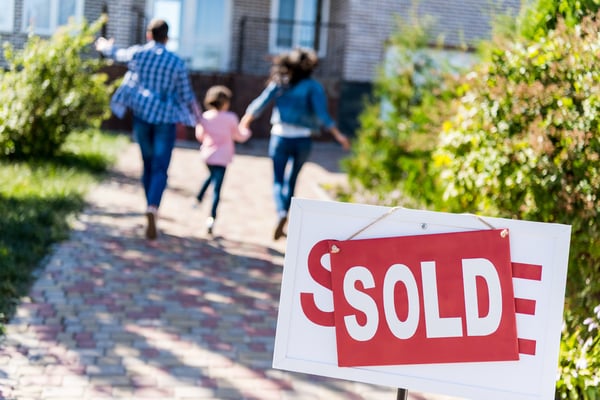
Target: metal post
[104, 13]
[240, 54]
[402, 394]
[317, 29]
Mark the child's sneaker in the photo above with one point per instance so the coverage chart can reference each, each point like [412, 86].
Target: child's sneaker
[210, 223]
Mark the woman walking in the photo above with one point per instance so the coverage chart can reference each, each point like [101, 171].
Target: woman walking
[300, 107]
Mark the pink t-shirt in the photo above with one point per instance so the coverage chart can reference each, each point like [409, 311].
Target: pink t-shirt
[219, 130]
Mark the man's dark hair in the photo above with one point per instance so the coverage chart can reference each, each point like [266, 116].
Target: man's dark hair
[159, 29]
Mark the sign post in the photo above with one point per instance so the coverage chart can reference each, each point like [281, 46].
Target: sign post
[454, 304]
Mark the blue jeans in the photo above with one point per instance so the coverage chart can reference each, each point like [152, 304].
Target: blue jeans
[288, 155]
[217, 174]
[156, 143]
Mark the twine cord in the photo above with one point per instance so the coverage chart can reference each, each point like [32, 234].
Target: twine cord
[336, 249]
[504, 231]
[387, 214]
[484, 222]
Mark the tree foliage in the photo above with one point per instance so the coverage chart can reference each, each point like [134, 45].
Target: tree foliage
[50, 89]
[517, 137]
[525, 143]
[540, 17]
[399, 127]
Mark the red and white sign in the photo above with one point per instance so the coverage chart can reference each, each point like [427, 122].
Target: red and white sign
[432, 302]
[424, 299]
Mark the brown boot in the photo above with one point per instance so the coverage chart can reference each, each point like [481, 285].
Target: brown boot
[151, 227]
[279, 228]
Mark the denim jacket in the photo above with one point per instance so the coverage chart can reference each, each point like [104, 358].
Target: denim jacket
[303, 104]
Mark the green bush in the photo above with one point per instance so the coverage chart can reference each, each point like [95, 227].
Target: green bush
[50, 89]
[525, 143]
[398, 128]
[541, 16]
[580, 360]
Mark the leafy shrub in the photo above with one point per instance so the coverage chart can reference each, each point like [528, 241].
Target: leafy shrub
[50, 89]
[398, 128]
[541, 16]
[525, 143]
[580, 360]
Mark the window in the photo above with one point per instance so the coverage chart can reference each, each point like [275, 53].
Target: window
[45, 16]
[298, 23]
[7, 16]
[201, 34]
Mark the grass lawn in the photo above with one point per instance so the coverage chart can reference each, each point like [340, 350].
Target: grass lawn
[38, 198]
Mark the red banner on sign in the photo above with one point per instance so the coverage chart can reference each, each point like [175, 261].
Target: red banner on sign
[440, 298]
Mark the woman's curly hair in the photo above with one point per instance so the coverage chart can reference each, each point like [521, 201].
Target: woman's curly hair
[293, 66]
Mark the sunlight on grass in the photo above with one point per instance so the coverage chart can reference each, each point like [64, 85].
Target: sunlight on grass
[38, 197]
[24, 180]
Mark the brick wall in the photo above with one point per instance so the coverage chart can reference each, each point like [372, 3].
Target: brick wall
[247, 8]
[466, 21]
[370, 24]
[126, 21]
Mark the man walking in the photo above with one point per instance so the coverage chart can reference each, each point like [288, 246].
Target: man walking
[157, 89]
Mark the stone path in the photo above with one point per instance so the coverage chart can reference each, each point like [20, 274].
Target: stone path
[188, 316]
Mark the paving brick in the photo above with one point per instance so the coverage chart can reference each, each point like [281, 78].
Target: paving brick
[187, 316]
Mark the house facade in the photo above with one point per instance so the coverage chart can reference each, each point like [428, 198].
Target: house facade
[231, 41]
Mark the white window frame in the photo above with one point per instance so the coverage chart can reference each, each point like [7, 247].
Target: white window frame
[8, 13]
[276, 49]
[54, 24]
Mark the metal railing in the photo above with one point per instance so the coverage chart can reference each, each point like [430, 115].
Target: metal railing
[261, 38]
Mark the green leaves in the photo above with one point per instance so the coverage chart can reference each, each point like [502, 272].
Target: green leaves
[538, 18]
[541, 117]
[50, 89]
[398, 130]
[517, 137]
[580, 360]
[525, 143]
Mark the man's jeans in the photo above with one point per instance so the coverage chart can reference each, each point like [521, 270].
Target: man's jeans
[156, 143]
[284, 151]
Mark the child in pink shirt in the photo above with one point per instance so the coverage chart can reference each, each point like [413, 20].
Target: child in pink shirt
[217, 132]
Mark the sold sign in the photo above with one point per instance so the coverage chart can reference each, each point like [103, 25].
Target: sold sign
[441, 298]
[428, 301]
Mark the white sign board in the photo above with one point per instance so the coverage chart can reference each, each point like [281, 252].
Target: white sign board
[304, 346]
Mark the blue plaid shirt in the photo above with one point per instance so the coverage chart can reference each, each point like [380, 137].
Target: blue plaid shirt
[156, 86]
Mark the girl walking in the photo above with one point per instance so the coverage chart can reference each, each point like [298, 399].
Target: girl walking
[217, 131]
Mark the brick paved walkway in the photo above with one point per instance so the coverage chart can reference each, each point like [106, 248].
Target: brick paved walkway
[113, 316]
